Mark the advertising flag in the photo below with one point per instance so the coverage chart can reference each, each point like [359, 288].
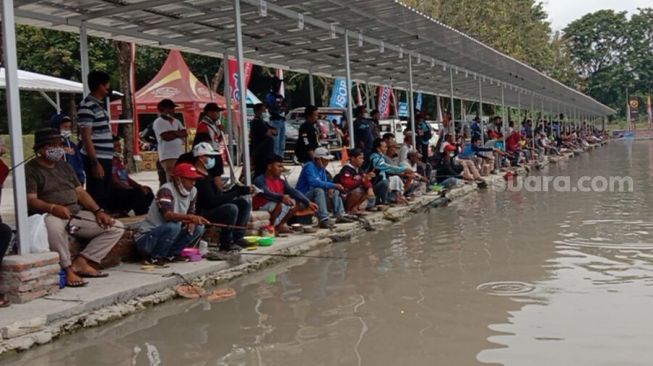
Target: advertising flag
[385, 93]
[340, 94]
[418, 102]
[233, 77]
[650, 112]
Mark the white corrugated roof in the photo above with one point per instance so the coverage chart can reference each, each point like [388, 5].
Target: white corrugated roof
[38, 82]
[276, 40]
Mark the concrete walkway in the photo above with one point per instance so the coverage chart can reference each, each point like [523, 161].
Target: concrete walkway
[130, 289]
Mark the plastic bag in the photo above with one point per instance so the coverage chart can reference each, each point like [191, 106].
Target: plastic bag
[37, 241]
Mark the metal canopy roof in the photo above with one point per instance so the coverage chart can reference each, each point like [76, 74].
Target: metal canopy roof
[383, 34]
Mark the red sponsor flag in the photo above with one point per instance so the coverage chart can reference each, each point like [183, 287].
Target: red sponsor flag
[385, 95]
[233, 77]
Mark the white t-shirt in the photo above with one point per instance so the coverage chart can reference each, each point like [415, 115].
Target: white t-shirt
[168, 149]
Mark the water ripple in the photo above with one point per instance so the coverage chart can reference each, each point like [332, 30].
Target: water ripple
[506, 288]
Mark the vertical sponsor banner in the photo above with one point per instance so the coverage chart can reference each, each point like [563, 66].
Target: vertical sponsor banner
[233, 78]
[385, 93]
[340, 94]
[418, 102]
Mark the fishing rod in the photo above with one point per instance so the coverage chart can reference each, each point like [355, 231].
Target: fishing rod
[77, 217]
[296, 255]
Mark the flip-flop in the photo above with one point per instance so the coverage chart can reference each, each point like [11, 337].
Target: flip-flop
[4, 303]
[76, 284]
[97, 274]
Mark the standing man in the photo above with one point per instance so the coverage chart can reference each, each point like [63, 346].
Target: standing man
[363, 131]
[170, 136]
[376, 124]
[309, 136]
[97, 140]
[277, 108]
[424, 135]
[261, 137]
[210, 126]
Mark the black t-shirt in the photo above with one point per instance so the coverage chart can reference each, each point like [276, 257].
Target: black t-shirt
[216, 171]
[308, 139]
[261, 142]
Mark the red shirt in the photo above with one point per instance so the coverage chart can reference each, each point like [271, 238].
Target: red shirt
[275, 185]
[512, 142]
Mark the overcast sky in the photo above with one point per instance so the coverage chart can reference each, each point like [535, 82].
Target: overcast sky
[563, 12]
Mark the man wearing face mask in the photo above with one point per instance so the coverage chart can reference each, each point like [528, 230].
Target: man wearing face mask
[128, 194]
[64, 124]
[170, 135]
[53, 189]
[219, 206]
[171, 223]
[97, 149]
[261, 139]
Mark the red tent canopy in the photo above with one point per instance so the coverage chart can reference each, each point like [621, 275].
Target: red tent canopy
[174, 81]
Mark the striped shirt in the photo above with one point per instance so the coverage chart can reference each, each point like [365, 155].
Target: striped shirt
[92, 115]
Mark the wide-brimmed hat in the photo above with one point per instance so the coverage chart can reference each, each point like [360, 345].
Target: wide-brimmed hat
[47, 136]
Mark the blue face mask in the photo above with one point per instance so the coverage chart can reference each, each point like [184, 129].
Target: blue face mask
[210, 163]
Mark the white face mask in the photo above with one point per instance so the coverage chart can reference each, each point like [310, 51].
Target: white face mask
[266, 116]
[181, 189]
[66, 133]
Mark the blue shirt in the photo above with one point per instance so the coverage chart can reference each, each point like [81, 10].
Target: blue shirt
[313, 177]
[274, 102]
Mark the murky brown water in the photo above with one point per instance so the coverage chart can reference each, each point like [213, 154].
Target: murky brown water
[496, 278]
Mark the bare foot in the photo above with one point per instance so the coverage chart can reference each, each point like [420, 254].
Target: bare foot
[73, 280]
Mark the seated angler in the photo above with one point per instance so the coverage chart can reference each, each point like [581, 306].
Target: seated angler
[314, 183]
[54, 189]
[357, 183]
[228, 207]
[171, 223]
[388, 186]
[127, 193]
[278, 198]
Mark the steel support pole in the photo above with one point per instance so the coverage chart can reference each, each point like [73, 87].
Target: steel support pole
[533, 124]
[227, 96]
[453, 118]
[243, 92]
[480, 109]
[15, 123]
[503, 114]
[58, 96]
[350, 112]
[83, 53]
[411, 103]
[311, 89]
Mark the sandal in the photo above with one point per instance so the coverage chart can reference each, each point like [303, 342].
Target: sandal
[4, 303]
[157, 263]
[76, 283]
[96, 274]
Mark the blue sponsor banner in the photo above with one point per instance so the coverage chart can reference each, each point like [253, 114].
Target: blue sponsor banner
[339, 96]
[418, 102]
[403, 109]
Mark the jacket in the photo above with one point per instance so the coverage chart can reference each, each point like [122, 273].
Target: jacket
[313, 177]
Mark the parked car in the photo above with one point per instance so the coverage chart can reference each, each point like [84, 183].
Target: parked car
[329, 137]
[394, 126]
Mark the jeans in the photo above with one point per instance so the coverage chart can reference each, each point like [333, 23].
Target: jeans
[381, 191]
[100, 189]
[167, 240]
[235, 213]
[319, 196]
[280, 138]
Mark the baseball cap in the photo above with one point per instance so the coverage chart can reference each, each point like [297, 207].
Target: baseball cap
[323, 153]
[204, 148]
[166, 103]
[212, 107]
[187, 170]
[449, 148]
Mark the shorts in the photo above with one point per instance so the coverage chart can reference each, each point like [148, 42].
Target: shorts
[271, 206]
